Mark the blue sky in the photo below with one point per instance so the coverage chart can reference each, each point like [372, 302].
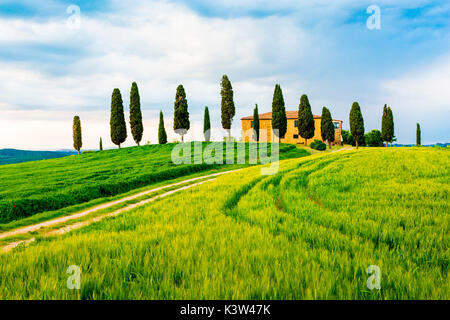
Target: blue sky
[53, 69]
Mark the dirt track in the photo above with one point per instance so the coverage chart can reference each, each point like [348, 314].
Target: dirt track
[83, 213]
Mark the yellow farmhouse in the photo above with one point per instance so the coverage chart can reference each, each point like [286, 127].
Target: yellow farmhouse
[291, 136]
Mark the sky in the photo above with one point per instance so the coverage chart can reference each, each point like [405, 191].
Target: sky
[59, 59]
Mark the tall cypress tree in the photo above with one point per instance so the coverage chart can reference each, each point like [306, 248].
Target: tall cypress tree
[207, 125]
[356, 124]
[162, 135]
[117, 121]
[101, 144]
[306, 125]
[418, 135]
[391, 130]
[327, 127]
[256, 123]
[227, 104]
[387, 125]
[136, 126]
[76, 128]
[384, 125]
[279, 120]
[181, 123]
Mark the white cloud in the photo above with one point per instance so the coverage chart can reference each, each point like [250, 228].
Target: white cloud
[159, 46]
[422, 95]
[423, 88]
[162, 44]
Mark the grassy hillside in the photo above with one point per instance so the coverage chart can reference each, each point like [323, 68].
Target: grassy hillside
[30, 188]
[8, 156]
[309, 232]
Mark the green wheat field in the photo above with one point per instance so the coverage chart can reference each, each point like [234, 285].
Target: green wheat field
[308, 232]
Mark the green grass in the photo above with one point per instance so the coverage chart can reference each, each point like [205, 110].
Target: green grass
[101, 212]
[39, 187]
[48, 215]
[309, 232]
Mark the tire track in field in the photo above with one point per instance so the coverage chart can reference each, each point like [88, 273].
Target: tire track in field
[230, 205]
[275, 181]
[323, 221]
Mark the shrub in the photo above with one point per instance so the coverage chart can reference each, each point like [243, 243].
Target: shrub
[318, 145]
[347, 137]
[374, 139]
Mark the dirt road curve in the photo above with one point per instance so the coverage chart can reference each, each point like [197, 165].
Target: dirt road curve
[78, 225]
[100, 207]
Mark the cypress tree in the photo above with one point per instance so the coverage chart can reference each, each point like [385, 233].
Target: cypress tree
[181, 122]
[279, 120]
[256, 123]
[76, 128]
[117, 122]
[387, 125]
[356, 124]
[101, 144]
[136, 126]
[306, 125]
[227, 104]
[162, 135]
[207, 125]
[391, 131]
[418, 136]
[327, 127]
[384, 125]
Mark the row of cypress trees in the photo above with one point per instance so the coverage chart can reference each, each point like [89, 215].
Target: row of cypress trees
[357, 125]
[181, 123]
[181, 115]
[117, 120]
[306, 124]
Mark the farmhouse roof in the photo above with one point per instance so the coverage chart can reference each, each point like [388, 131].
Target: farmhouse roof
[289, 115]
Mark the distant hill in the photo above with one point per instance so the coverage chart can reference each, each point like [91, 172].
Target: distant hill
[8, 156]
[442, 145]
